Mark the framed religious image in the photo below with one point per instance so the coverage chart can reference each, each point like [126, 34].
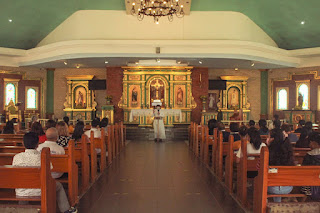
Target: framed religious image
[134, 96]
[157, 89]
[233, 98]
[80, 97]
[180, 96]
[212, 101]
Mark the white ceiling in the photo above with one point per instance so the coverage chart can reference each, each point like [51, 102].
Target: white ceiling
[215, 63]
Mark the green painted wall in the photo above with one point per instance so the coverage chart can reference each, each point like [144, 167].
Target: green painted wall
[33, 20]
[264, 92]
[50, 91]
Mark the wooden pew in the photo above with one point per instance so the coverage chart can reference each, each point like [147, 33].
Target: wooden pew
[280, 176]
[13, 177]
[11, 143]
[61, 163]
[190, 128]
[11, 137]
[299, 154]
[243, 167]
[219, 156]
[82, 156]
[109, 145]
[229, 165]
[67, 164]
[11, 149]
[214, 142]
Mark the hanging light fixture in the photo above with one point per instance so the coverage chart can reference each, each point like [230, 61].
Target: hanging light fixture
[157, 9]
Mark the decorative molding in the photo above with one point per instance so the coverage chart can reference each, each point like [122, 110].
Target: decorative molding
[234, 78]
[79, 77]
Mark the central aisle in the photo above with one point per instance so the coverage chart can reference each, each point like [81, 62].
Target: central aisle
[157, 177]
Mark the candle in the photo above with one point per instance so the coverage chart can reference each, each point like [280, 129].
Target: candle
[200, 77]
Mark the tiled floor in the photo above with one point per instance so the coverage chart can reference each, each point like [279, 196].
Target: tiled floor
[157, 177]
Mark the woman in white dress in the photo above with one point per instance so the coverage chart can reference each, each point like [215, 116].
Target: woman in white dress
[158, 125]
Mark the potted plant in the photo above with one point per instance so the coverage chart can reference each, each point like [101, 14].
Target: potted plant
[109, 99]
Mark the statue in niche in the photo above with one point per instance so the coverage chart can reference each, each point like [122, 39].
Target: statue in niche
[134, 95]
[233, 98]
[300, 100]
[80, 100]
[180, 96]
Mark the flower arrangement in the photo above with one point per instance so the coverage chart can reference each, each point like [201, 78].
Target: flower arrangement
[109, 98]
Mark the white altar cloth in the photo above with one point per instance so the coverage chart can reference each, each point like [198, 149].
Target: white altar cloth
[149, 112]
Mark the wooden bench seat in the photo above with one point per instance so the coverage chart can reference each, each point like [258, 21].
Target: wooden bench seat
[280, 176]
[10, 178]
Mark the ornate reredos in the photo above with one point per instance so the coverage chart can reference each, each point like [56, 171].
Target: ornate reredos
[78, 84]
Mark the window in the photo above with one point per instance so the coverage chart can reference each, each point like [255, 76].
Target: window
[282, 99]
[303, 96]
[31, 99]
[10, 93]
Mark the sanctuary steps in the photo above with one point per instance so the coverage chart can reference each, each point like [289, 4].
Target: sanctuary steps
[146, 134]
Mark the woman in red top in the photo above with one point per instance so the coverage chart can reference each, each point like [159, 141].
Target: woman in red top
[37, 128]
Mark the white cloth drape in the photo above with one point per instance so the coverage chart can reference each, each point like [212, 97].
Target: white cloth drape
[149, 112]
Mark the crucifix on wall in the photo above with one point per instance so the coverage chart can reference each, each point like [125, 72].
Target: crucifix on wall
[157, 90]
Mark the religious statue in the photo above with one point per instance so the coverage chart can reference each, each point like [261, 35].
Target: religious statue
[233, 99]
[211, 101]
[300, 100]
[80, 100]
[134, 97]
[179, 96]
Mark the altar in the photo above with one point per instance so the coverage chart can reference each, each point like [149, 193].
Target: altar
[171, 85]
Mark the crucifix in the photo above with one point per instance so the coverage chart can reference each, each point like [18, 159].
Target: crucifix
[157, 86]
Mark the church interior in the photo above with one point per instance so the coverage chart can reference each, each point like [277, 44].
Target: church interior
[159, 106]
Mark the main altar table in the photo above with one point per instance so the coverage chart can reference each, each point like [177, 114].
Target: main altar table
[148, 113]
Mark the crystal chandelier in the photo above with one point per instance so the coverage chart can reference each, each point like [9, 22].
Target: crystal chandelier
[157, 9]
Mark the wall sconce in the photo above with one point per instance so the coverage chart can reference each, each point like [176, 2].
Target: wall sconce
[200, 80]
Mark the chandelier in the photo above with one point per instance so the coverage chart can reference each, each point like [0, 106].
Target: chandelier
[157, 9]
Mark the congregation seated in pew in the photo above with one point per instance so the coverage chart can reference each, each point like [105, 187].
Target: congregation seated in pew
[301, 124]
[37, 128]
[78, 131]
[280, 154]
[63, 134]
[312, 158]
[8, 128]
[50, 123]
[212, 124]
[94, 128]
[263, 129]
[70, 127]
[234, 130]
[304, 139]
[55, 149]
[254, 145]
[32, 158]
[288, 133]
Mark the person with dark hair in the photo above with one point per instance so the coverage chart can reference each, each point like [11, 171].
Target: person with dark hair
[234, 130]
[280, 154]
[51, 123]
[70, 127]
[263, 130]
[8, 128]
[32, 158]
[212, 124]
[254, 146]
[95, 128]
[37, 128]
[301, 124]
[277, 120]
[303, 141]
[104, 124]
[312, 158]
[78, 131]
[243, 131]
[252, 125]
[308, 125]
[287, 131]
